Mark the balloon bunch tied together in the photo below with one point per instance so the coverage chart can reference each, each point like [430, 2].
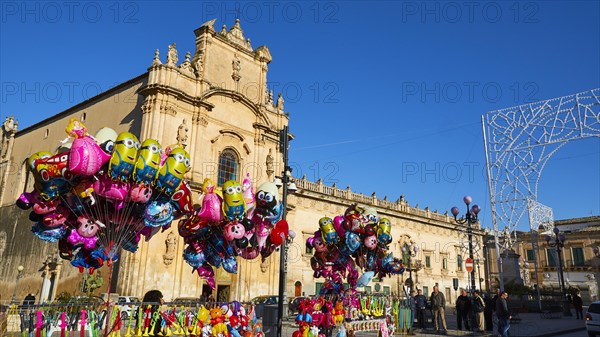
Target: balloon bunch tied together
[99, 194]
[233, 221]
[357, 239]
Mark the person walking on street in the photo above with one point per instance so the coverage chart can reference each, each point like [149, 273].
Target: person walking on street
[438, 303]
[463, 306]
[503, 314]
[488, 312]
[578, 304]
[478, 309]
[420, 304]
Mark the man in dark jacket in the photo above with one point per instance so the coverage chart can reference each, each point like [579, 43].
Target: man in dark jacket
[488, 313]
[503, 314]
[578, 304]
[420, 304]
[463, 307]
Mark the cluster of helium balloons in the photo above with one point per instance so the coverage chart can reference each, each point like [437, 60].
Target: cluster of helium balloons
[100, 193]
[359, 238]
[233, 221]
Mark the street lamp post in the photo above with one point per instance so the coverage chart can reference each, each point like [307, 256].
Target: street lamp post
[410, 250]
[469, 219]
[288, 187]
[559, 244]
[19, 274]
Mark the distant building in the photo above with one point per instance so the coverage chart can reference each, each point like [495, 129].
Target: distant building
[580, 258]
[218, 105]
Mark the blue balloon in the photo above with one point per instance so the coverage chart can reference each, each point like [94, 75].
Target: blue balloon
[158, 213]
[230, 265]
[194, 259]
[50, 235]
[364, 279]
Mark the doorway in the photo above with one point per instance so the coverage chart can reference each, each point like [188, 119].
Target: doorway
[297, 289]
[223, 293]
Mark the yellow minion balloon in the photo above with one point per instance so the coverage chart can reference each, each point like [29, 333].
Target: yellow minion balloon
[172, 171]
[122, 160]
[234, 206]
[384, 231]
[147, 162]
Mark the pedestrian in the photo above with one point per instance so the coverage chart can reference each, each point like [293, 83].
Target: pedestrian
[488, 312]
[503, 314]
[463, 307]
[420, 305]
[438, 303]
[478, 309]
[578, 304]
[153, 299]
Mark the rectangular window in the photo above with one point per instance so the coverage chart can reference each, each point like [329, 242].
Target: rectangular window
[444, 263]
[459, 262]
[551, 254]
[309, 250]
[427, 261]
[577, 253]
[318, 286]
[426, 291]
[368, 289]
[530, 255]
[386, 290]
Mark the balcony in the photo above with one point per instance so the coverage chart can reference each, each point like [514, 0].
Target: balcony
[571, 265]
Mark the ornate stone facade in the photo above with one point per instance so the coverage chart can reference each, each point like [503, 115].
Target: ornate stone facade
[216, 99]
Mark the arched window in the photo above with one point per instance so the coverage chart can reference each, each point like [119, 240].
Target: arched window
[228, 166]
[298, 289]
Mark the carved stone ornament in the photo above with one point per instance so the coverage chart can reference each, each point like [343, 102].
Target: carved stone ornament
[236, 64]
[264, 265]
[280, 101]
[172, 57]
[186, 66]
[156, 60]
[182, 134]
[269, 163]
[170, 243]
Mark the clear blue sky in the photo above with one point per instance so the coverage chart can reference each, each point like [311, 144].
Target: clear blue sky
[386, 97]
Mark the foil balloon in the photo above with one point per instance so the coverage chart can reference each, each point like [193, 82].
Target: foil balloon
[122, 160]
[147, 162]
[234, 230]
[182, 199]
[53, 173]
[384, 230]
[211, 203]
[85, 233]
[248, 192]
[364, 279]
[86, 157]
[234, 207]
[48, 234]
[171, 173]
[158, 213]
[230, 264]
[114, 190]
[140, 193]
[267, 202]
[328, 232]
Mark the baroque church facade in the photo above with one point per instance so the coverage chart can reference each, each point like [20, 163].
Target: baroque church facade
[217, 105]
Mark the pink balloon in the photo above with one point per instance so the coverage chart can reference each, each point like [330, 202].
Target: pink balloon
[110, 189]
[211, 208]
[86, 157]
[338, 224]
[249, 253]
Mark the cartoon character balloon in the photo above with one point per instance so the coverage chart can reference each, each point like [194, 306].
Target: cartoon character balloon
[328, 232]
[170, 174]
[86, 157]
[122, 160]
[234, 207]
[147, 162]
[267, 202]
